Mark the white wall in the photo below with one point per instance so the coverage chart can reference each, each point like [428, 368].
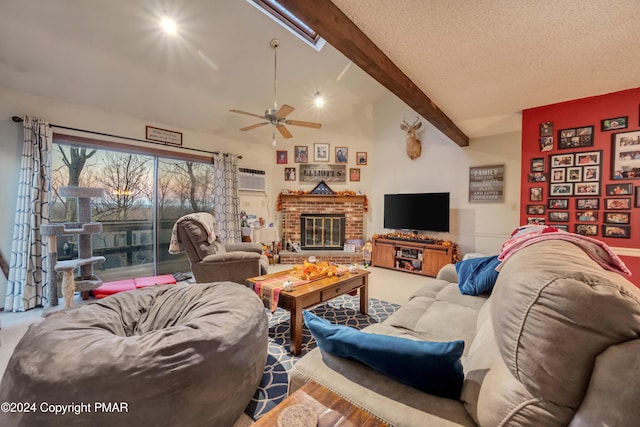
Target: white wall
[443, 166]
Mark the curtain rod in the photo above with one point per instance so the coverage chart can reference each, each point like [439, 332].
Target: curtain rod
[18, 119]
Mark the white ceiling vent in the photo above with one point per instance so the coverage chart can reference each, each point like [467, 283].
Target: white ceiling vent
[252, 180]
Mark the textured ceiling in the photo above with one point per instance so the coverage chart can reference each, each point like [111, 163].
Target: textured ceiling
[481, 62]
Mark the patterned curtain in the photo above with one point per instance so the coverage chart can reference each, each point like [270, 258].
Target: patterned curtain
[226, 203]
[26, 287]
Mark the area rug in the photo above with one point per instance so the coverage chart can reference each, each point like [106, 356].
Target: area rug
[275, 382]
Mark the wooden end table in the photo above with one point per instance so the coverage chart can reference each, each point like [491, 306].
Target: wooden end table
[332, 410]
[314, 293]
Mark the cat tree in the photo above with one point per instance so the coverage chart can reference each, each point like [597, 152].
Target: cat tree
[85, 281]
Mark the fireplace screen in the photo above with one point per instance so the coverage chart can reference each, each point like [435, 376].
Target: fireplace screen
[322, 231]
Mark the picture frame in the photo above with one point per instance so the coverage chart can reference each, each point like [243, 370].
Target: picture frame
[588, 158]
[354, 174]
[558, 175]
[361, 158]
[535, 210]
[546, 129]
[619, 189]
[536, 194]
[282, 157]
[575, 137]
[559, 216]
[341, 155]
[563, 227]
[536, 220]
[584, 204]
[617, 217]
[558, 204]
[301, 154]
[574, 174]
[625, 155]
[618, 203]
[613, 124]
[591, 173]
[290, 174]
[562, 160]
[537, 177]
[587, 216]
[587, 229]
[637, 198]
[616, 231]
[320, 152]
[546, 143]
[537, 164]
[561, 189]
[587, 188]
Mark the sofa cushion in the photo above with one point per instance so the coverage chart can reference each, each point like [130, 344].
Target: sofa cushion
[433, 367]
[477, 275]
[551, 319]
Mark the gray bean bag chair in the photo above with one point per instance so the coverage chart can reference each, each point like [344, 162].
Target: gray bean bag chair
[186, 355]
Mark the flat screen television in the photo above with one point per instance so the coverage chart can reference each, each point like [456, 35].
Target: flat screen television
[418, 211]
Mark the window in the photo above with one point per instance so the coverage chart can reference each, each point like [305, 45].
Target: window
[145, 193]
[288, 20]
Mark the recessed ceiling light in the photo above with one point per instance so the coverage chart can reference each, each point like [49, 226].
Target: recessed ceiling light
[318, 99]
[168, 25]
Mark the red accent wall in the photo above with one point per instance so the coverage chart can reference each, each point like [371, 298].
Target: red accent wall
[582, 113]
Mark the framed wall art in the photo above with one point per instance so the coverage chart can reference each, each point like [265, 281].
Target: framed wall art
[535, 194]
[537, 164]
[301, 154]
[558, 203]
[281, 157]
[619, 203]
[320, 152]
[575, 137]
[341, 154]
[583, 204]
[587, 216]
[619, 189]
[625, 155]
[587, 229]
[559, 216]
[361, 157]
[617, 217]
[619, 231]
[289, 174]
[580, 171]
[612, 124]
[561, 189]
[637, 198]
[535, 209]
[354, 174]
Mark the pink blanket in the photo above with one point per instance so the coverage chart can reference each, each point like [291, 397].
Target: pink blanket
[597, 250]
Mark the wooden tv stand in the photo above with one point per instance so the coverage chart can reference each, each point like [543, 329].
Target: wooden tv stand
[411, 256]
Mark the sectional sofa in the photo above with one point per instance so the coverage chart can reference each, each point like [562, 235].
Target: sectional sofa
[556, 343]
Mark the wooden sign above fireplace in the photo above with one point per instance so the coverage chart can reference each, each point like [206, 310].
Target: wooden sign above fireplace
[327, 173]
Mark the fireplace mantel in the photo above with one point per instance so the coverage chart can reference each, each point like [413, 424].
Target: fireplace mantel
[322, 198]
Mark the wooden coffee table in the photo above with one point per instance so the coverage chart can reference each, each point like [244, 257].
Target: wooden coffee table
[332, 410]
[314, 293]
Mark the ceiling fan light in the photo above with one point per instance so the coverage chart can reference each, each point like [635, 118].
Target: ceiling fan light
[273, 142]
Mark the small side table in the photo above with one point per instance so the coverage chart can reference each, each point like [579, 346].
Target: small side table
[332, 409]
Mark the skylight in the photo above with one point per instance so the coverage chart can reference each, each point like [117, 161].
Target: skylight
[288, 20]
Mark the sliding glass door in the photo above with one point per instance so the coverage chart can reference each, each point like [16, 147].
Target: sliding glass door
[144, 195]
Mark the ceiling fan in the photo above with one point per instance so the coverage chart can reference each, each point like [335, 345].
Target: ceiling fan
[277, 116]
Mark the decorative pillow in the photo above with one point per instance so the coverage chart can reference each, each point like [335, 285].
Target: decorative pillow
[433, 367]
[477, 275]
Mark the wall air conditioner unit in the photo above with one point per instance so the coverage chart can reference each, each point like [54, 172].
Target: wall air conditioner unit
[252, 180]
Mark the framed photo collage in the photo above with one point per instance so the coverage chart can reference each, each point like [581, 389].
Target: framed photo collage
[566, 184]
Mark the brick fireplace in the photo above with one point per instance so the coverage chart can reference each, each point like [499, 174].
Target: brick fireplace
[294, 205]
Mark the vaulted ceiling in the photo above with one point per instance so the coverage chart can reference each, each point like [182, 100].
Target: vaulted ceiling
[478, 64]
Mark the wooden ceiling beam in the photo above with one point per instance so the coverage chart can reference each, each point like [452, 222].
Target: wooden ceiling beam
[338, 30]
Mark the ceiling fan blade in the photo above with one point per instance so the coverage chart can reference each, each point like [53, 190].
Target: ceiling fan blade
[284, 111]
[248, 114]
[305, 124]
[255, 126]
[284, 131]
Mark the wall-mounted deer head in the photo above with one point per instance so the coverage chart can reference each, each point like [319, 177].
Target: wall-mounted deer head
[414, 148]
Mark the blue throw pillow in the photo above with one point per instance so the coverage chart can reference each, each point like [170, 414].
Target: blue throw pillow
[477, 275]
[433, 367]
